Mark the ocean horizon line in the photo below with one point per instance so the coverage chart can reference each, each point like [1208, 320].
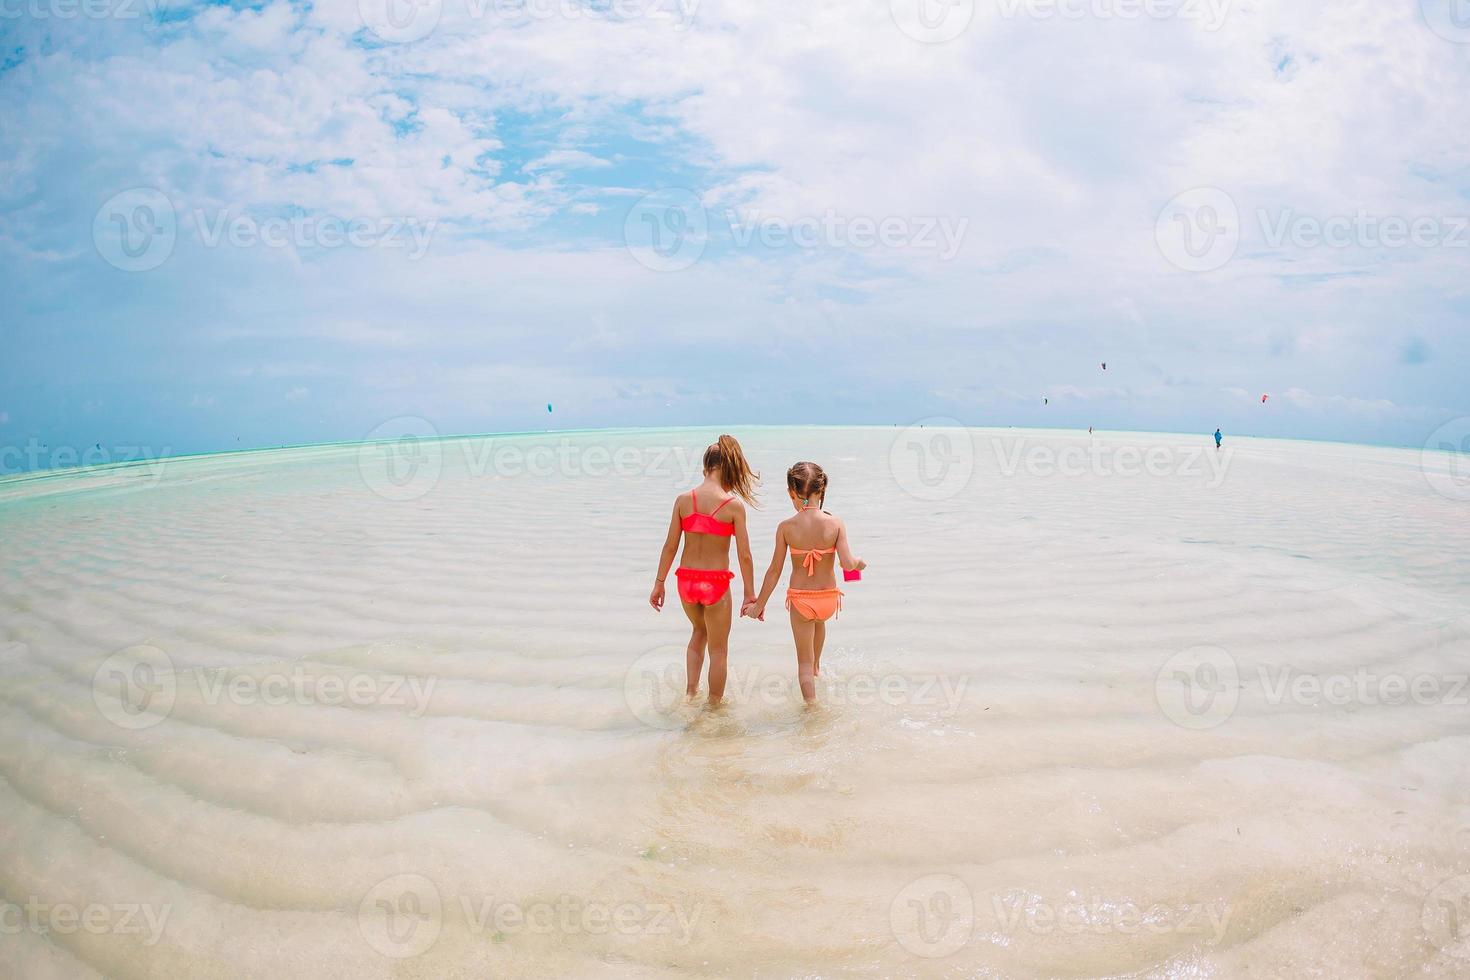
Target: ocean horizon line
[62, 471]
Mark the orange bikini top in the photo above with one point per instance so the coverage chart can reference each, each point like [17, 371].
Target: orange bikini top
[697, 523]
[813, 555]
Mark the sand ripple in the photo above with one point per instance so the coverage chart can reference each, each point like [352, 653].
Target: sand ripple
[313, 713]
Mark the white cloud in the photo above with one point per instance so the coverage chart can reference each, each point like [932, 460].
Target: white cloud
[365, 334]
[1087, 393]
[566, 160]
[1367, 407]
[1059, 141]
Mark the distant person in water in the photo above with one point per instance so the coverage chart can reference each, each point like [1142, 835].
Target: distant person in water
[1218, 438]
[812, 536]
[707, 517]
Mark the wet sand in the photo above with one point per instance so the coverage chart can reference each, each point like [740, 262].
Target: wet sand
[1119, 706]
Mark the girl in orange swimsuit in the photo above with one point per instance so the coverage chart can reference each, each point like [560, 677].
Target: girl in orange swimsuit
[707, 517]
[812, 537]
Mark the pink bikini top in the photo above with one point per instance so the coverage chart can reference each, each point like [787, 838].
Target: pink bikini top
[697, 523]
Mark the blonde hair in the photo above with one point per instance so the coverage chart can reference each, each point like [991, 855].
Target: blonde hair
[725, 457]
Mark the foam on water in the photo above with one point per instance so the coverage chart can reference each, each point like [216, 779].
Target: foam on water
[403, 711]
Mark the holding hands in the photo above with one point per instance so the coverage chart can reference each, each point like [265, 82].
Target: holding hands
[755, 606]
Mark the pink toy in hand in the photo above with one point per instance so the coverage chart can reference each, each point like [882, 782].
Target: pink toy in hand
[852, 575]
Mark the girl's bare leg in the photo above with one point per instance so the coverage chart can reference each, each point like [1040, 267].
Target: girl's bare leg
[804, 633]
[819, 637]
[694, 654]
[717, 621]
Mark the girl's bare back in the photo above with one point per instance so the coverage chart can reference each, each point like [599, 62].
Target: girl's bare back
[810, 532]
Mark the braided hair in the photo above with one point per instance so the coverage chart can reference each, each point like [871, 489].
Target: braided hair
[807, 480]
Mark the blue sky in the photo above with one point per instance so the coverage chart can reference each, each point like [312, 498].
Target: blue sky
[862, 217]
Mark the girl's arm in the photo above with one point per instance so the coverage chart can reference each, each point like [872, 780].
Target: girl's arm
[773, 574]
[844, 550]
[742, 555]
[665, 559]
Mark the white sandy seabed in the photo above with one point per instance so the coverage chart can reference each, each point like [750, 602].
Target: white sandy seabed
[1111, 706]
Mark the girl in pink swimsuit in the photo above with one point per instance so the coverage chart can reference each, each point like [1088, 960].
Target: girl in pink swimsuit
[813, 536]
[707, 517]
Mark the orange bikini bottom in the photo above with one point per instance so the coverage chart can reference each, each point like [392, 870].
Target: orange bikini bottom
[818, 604]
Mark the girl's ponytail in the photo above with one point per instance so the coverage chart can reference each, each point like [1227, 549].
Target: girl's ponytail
[728, 461]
